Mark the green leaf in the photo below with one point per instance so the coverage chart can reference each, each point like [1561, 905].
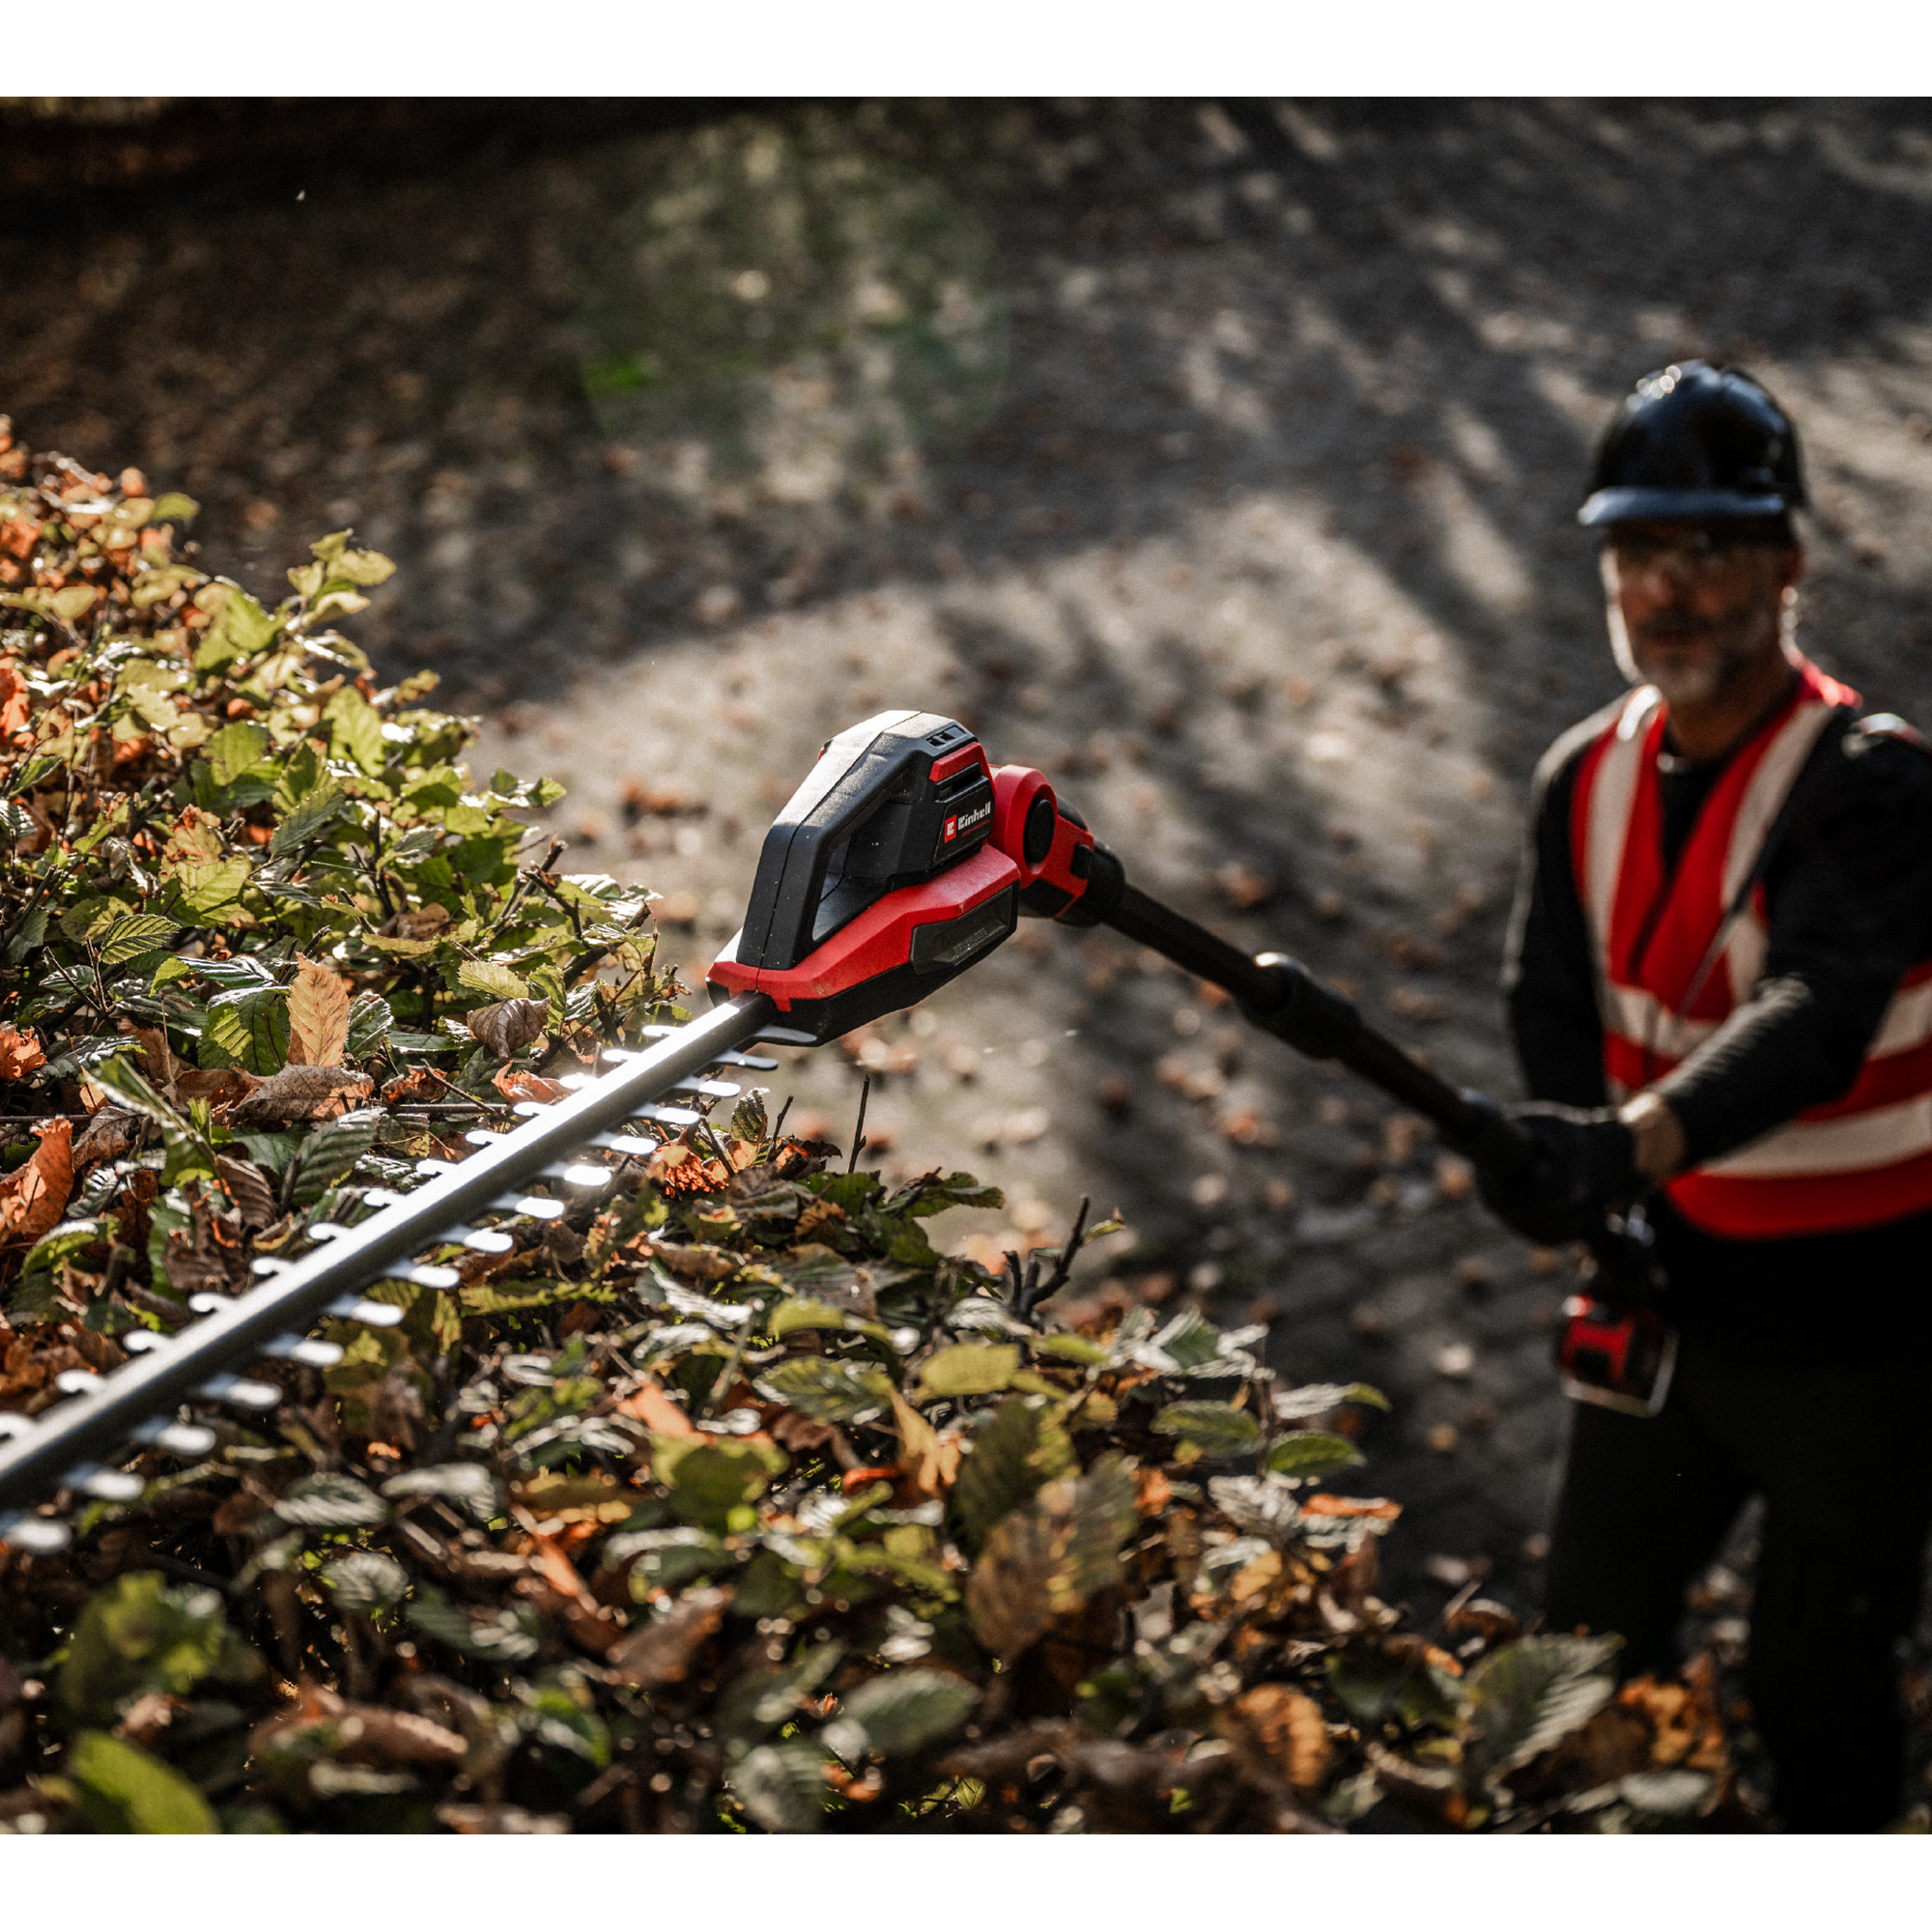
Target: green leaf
[1378, 1684]
[1319, 1398]
[1210, 1429]
[781, 1785]
[172, 507]
[356, 728]
[365, 567]
[240, 629]
[1531, 1693]
[127, 1086]
[826, 1390]
[1046, 1561]
[713, 1480]
[1015, 1450]
[330, 1153]
[797, 1313]
[248, 1030]
[28, 774]
[749, 1121]
[122, 1789]
[499, 1637]
[140, 1633]
[1069, 1347]
[331, 1502]
[366, 1582]
[470, 1484]
[1309, 1451]
[370, 1022]
[906, 1710]
[499, 981]
[234, 750]
[207, 891]
[928, 1196]
[311, 816]
[129, 938]
[969, 1367]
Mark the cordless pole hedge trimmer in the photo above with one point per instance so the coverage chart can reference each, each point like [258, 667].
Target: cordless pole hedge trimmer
[902, 860]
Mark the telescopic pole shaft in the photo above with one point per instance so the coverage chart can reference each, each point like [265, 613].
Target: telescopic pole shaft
[1284, 998]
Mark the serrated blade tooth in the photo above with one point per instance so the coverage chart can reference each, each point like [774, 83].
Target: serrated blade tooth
[35, 1535]
[240, 1390]
[188, 1439]
[382, 1197]
[671, 1117]
[529, 1109]
[427, 1166]
[719, 1090]
[206, 1304]
[756, 1061]
[578, 1080]
[76, 1381]
[425, 1274]
[482, 1137]
[485, 1240]
[634, 1145]
[111, 1486]
[581, 1174]
[299, 1349]
[371, 1313]
[535, 1206]
[13, 1423]
[267, 1264]
[324, 1230]
[142, 1341]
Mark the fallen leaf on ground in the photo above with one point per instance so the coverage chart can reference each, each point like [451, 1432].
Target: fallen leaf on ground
[34, 1196]
[20, 1054]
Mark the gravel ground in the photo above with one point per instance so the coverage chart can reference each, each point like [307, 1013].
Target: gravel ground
[1221, 460]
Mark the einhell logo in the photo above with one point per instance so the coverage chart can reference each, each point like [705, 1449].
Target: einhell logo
[965, 821]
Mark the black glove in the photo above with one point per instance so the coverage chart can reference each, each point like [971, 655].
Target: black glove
[1579, 1165]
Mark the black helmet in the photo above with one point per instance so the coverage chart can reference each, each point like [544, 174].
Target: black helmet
[1692, 440]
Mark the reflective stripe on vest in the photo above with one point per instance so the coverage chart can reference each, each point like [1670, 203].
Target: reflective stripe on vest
[1670, 971]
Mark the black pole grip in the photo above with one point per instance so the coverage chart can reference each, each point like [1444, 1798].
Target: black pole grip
[1282, 997]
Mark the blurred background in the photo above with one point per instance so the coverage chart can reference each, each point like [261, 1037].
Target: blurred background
[1219, 457]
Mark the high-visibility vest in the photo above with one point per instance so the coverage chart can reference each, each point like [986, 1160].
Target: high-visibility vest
[1676, 953]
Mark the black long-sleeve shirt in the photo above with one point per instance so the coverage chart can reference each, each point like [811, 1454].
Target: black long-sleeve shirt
[1849, 905]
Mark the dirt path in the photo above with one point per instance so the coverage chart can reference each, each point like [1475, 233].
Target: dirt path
[1221, 460]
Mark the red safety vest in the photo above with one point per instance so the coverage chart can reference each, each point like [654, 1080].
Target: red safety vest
[1671, 969]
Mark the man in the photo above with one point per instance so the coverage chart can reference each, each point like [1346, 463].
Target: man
[1721, 970]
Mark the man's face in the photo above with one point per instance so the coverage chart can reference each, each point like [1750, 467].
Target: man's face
[1694, 606]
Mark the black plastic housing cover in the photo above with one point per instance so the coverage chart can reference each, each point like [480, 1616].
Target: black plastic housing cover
[869, 819]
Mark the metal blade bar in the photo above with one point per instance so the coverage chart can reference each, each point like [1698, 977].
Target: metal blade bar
[94, 1424]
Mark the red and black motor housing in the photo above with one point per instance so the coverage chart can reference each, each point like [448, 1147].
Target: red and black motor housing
[879, 880]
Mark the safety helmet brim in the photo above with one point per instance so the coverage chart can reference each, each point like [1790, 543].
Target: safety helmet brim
[1634, 503]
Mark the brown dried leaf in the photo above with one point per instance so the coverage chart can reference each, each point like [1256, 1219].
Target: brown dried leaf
[317, 1017]
[301, 1093]
[661, 1652]
[419, 1084]
[219, 1087]
[110, 1133]
[196, 839]
[1284, 1731]
[509, 1025]
[515, 1084]
[34, 1196]
[21, 1053]
[249, 1189]
[157, 1057]
[425, 923]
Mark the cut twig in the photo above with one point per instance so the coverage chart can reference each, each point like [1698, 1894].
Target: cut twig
[859, 1131]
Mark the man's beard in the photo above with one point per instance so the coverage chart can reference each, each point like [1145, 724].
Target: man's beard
[1695, 681]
